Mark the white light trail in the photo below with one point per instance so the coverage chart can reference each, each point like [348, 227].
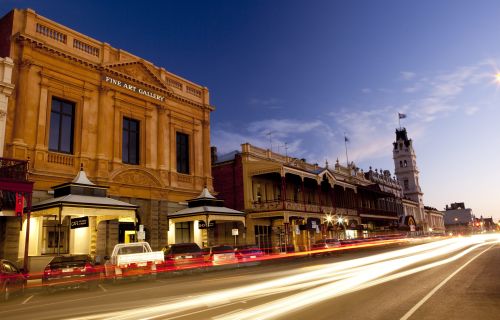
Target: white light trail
[327, 282]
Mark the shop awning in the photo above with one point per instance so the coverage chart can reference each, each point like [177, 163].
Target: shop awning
[206, 207]
[82, 198]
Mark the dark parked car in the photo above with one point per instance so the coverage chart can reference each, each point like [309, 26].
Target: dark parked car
[219, 255]
[12, 280]
[248, 253]
[71, 272]
[183, 255]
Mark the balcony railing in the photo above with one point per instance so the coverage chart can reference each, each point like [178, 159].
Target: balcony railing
[274, 205]
[13, 169]
[377, 212]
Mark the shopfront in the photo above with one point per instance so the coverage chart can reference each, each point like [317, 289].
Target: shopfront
[80, 219]
[207, 223]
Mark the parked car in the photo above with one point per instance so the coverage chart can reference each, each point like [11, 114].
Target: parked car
[132, 259]
[219, 255]
[72, 271]
[183, 255]
[12, 280]
[248, 253]
[325, 244]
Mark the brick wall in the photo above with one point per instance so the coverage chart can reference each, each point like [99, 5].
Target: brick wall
[228, 182]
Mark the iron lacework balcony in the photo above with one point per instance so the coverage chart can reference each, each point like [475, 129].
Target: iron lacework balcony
[13, 179]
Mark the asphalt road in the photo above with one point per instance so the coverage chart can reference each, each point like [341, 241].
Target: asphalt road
[449, 279]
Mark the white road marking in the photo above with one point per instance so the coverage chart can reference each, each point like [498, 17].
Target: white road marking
[433, 291]
[102, 288]
[27, 299]
[195, 312]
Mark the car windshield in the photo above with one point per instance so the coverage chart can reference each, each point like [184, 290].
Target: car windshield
[131, 249]
[70, 261]
[185, 248]
[222, 249]
[250, 250]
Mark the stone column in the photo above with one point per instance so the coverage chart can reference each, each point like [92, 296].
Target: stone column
[104, 135]
[6, 88]
[21, 104]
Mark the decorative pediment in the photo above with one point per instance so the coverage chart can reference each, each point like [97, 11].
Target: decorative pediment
[139, 71]
[136, 177]
[326, 174]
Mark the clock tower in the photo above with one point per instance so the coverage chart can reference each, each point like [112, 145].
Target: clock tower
[406, 170]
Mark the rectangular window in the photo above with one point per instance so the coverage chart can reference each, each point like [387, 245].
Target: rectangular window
[62, 118]
[183, 232]
[182, 153]
[406, 184]
[130, 141]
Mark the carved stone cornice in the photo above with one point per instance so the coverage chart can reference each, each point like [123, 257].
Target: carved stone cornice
[38, 45]
[25, 64]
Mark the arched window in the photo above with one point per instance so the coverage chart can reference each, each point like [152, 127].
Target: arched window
[400, 163]
[405, 164]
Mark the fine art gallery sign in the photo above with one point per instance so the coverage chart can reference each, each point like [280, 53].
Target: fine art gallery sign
[134, 88]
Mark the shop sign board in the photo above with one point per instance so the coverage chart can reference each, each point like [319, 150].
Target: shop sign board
[81, 222]
[203, 225]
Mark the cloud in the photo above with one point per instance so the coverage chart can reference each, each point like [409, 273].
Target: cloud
[285, 135]
[471, 110]
[370, 129]
[407, 75]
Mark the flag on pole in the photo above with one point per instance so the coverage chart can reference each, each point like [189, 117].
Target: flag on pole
[401, 115]
[346, 139]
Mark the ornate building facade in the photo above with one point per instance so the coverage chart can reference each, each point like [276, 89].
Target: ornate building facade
[137, 129]
[290, 204]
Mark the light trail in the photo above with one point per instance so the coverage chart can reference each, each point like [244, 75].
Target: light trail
[327, 282]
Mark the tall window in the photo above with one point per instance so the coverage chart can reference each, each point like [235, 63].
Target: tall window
[130, 141]
[182, 153]
[61, 126]
[406, 184]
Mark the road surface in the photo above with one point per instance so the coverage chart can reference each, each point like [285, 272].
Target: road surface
[457, 278]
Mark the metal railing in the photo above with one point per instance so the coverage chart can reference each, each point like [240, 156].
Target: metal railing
[13, 169]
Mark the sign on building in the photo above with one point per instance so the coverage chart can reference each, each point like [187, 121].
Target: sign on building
[81, 222]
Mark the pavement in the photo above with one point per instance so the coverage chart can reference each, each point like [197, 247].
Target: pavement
[448, 279]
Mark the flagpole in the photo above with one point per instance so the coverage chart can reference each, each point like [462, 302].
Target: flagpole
[399, 120]
[346, 156]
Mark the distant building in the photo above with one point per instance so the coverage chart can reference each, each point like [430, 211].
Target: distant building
[458, 218]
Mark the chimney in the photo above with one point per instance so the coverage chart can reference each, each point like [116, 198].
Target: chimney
[213, 154]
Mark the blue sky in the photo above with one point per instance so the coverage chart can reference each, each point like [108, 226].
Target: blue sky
[308, 71]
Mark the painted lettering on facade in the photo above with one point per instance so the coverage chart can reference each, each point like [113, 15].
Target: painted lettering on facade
[135, 89]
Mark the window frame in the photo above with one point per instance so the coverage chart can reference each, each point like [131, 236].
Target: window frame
[129, 132]
[60, 134]
[182, 153]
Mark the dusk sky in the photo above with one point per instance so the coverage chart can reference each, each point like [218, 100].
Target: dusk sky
[308, 71]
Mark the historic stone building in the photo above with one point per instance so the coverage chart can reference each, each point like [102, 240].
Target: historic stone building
[137, 129]
[427, 219]
[290, 204]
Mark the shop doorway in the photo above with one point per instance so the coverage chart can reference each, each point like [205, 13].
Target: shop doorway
[263, 238]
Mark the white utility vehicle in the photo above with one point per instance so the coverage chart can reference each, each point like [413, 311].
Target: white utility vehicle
[132, 259]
